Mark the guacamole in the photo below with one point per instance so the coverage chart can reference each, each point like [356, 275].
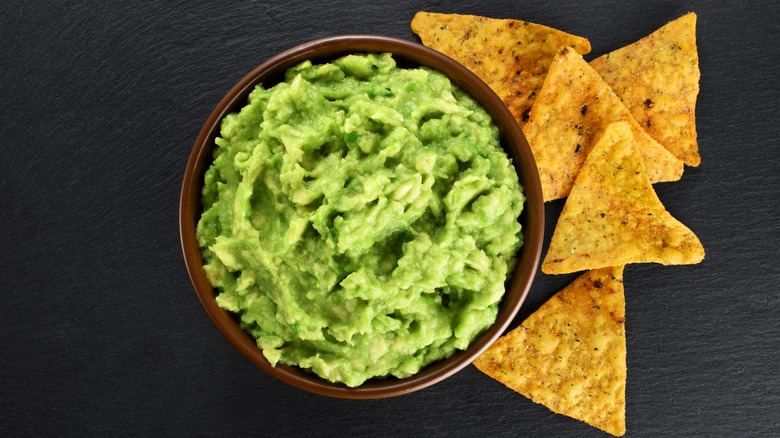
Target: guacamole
[360, 218]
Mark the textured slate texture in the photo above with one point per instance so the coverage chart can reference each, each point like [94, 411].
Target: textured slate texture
[100, 331]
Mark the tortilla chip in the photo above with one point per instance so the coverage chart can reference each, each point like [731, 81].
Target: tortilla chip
[657, 78]
[614, 217]
[573, 109]
[511, 56]
[570, 355]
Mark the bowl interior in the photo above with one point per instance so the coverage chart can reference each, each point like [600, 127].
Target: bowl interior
[406, 54]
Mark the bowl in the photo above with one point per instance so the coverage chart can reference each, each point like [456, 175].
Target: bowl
[406, 53]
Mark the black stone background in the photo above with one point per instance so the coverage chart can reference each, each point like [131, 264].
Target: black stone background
[100, 329]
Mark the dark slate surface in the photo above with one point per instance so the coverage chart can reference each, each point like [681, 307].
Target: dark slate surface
[100, 330]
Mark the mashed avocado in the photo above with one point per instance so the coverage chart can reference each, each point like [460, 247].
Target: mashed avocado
[360, 218]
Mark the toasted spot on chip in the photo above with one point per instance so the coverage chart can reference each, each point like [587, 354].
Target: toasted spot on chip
[657, 78]
[511, 56]
[561, 133]
[570, 355]
[614, 217]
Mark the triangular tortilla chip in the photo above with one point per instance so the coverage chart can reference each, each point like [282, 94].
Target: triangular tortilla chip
[614, 217]
[657, 78]
[570, 355]
[571, 112]
[511, 56]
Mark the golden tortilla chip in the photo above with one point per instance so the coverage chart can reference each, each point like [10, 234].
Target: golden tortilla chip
[511, 56]
[657, 78]
[570, 355]
[614, 217]
[571, 112]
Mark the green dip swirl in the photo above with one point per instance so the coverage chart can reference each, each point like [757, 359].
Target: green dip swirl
[360, 218]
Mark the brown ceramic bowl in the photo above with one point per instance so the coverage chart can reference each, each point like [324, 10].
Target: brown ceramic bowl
[406, 54]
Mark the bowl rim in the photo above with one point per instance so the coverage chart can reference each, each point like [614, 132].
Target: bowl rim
[512, 140]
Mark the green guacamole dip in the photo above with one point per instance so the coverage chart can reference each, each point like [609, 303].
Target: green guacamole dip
[360, 218]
